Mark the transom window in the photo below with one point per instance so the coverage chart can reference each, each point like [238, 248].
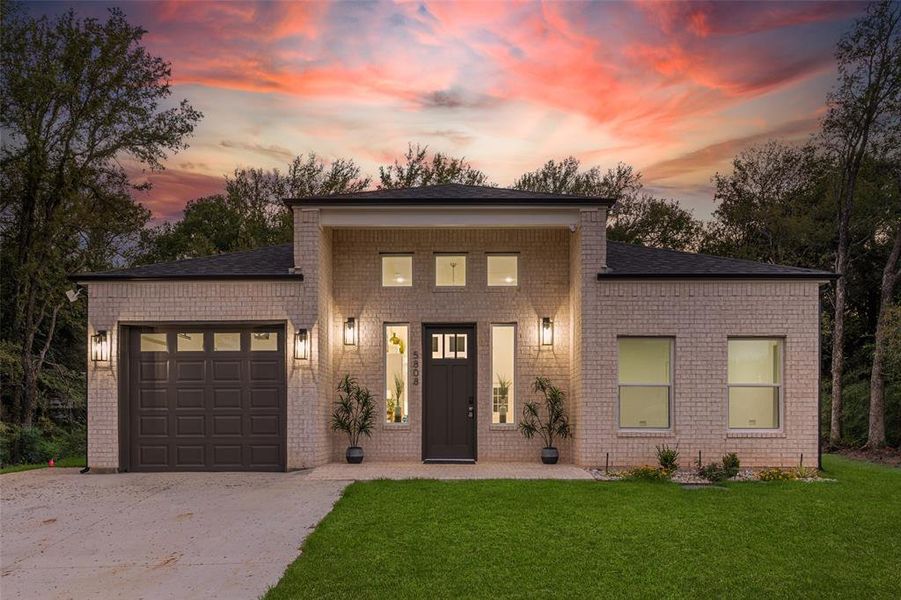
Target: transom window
[396, 404]
[450, 270]
[449, 345]
[645, 382]
[397, 270]
[503, 348]
[755, 383]
[503, 270]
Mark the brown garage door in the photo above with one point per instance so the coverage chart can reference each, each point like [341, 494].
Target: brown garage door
[206, 398]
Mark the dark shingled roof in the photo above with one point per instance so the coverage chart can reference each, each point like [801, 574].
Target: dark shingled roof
[449, 193]
[272, 262]
[631, 261]
[625, 261]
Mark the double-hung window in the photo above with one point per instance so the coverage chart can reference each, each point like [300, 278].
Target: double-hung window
[645, 382]
[755, 383]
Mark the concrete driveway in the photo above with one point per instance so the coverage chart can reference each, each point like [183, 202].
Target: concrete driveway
[153, 535]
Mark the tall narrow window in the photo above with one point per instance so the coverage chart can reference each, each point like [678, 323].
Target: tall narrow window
[503, 270]
[645, 382]
[755, 383]
[396, 404]
[450, 270]
[397, 270]
[503, 348]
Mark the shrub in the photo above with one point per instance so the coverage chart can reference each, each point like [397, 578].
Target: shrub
[646, 473]
[555, 423]
[731, 464]
[354, 410]
[713, 472]
[668, 458]
[776, 474]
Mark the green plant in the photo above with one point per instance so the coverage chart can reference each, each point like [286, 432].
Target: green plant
[713, 472]
[731, 464]
[647, 473]
[397, 396]
[668, 458]
[777, 474]
[394, 339]
[353, 411]
[501, 398]
[555, 424]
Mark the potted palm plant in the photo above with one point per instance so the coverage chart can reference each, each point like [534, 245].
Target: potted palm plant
[353, 415]
[502, 398]
[548, 421]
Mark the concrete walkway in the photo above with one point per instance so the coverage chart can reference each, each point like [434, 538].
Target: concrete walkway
[153, 535]
[481, 470]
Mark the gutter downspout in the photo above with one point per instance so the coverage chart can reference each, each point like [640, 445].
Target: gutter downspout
[87, 360]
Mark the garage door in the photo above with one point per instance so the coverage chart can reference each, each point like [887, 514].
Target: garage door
[206, 398]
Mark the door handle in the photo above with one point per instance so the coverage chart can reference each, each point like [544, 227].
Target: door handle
[470, 412]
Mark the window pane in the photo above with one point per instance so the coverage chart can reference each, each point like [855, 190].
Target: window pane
[755, 361]
[754, 407]
[502, 270]
[227, 342]
[396, 403]
[450, 270]
[397, 271]
[644, 360]
[264, 341]
[190, 342]
[153, 342]
[437, 346]
[503, 340]
[644, 407]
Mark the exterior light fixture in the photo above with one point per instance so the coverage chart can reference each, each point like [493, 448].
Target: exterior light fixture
[100, 346]
[350, 332]
[547, 331]
[302, 344]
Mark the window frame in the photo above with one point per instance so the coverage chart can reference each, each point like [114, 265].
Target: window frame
[381, 270]
[492, 286]
[385, 423]
[510, 424]
[464, 285]
[780, 386]
[671, 408]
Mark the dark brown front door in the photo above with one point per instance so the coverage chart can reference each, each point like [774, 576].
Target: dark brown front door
[449, 402]
[206, 398]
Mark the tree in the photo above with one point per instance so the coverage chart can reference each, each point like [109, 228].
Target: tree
[891, 273]
[77, 97]
[251, 212]
[636, 218]
[862, 118]
[770, 207]
[420, 169]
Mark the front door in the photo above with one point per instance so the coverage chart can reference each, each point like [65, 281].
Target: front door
[449, 402]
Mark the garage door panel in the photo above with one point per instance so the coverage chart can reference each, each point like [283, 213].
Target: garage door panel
[264, 425]
[190, 370]
[189, 398]
[154, 426]
[227, 397]
[227, 370]
[206, 409]
[153, 398]
[153, 370]
[268, 371]
[190, 425]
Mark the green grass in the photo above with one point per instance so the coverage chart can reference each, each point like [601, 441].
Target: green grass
[578, 539]
[72, 461]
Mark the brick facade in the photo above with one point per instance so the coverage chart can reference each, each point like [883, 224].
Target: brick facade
[557, 278]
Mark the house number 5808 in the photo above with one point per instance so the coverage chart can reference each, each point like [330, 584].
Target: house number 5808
[415, 367]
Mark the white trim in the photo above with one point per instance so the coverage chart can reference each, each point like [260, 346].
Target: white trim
[779, 386]
[670, 387]
[439, 216]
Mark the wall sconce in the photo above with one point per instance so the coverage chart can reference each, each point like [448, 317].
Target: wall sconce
[350, 332]
[302, 344]
[547, 331]
[100, 346]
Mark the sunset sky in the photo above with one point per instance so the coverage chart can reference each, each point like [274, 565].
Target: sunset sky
[675, 89]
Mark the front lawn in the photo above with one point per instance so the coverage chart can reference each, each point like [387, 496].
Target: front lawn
[540, 539]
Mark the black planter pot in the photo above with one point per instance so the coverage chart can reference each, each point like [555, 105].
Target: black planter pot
[354, 455]
[550, 456]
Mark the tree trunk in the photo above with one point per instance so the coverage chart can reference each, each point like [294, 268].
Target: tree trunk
[838, 332]
[890, 276]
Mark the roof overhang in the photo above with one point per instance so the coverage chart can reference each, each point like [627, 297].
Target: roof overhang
[448, 215]
[112, 277]
[822, 277]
